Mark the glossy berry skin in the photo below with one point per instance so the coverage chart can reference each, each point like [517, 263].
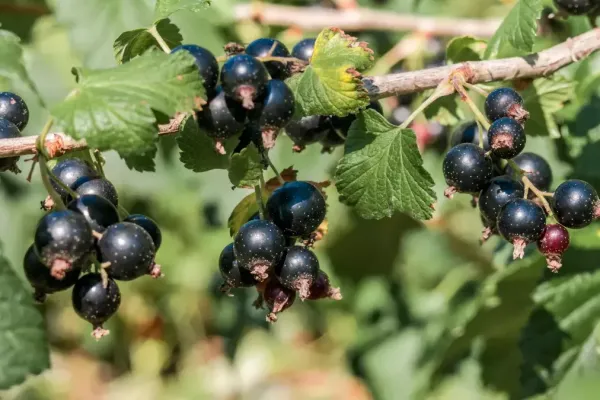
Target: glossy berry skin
[258, 246]
[222, 118]
[8, 130]
[307, 130]
[233, 275]
[71, 172]
[298, 270]
[297, 208]
[14, 109]
[93, 302]
[278, 298]
[496, 193]
[501, 103]
[276, 107]
[304, 49]
[149, 225]
[244, 79]
[469, 133]
[38, 275]
[575, 203]
[466, 168]
[577, 7]
[506, 138]
[207, 65]
[537, 170]
[262, 47]
[129, 250]
[62, 235]
[521, 221]
[554, 240]
[98, 212]
[98, 186]
[322, 289]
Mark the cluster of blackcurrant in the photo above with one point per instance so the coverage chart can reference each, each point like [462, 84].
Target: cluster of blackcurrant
[513, 199]
[264, 253]
[578, 7]
[14, 116]
[89, 232]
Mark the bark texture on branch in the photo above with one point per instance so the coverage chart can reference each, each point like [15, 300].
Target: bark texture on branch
[317, 18]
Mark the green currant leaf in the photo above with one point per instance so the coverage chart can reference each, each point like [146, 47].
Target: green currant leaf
[464, 48]
[114, 108]
[543, 99]
[164, 8]
[136, 42]
[141, 162]
[382, 170]
[331, 84]
[518, 30]
[23, 341]
[246, 167]
[198, 150]
[242, 213]
[11, 57]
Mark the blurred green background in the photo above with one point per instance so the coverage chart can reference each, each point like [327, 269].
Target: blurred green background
[427, 312]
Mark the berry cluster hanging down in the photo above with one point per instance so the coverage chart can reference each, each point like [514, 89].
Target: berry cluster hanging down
[511, 188]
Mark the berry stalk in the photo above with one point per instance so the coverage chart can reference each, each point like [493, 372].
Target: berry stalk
[44, 170]
[530, 186]
[259, 200]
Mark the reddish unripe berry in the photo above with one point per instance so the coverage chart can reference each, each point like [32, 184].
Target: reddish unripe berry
[278, 298]
[553, 243]
[322, 289]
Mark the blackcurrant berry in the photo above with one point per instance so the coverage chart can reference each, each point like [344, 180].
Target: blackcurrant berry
[521, 221]
[94, 302]
[40, 279]
[8, 130]
[577, 7]
[576, 204]
[536, 169]
[233, 275]
[496, 193]
[506, 138]
[278, 298]
[129, 250]
[307, 130]
[98, 186]
[222, 118]
[71, 172]
[149, 226]
[61, 239]
[274, 111]
[466, 169]
[98, 212]
[265, 47]
[244, 79]
[469, 133]
[207, 65]
[553, 243]
[258, 246]
[304, 49]
[14, 109]
[297, 208]
[298, 270]
[322, 289]
[505, 102]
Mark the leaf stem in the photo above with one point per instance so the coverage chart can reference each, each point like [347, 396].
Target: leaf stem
[478, 89]
[277, 174]
[99, 161]
[159, 39]
[480, 117]
[259, 200]
[480, 133]
[443, 89]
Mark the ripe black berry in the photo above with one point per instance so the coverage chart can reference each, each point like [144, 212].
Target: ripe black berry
[62, 238]
[278, 298]
[222, 118]
[276, 109]
[149, 226]
[98, 186]
[95, 303]
[258, 246]
[536, 169]
[233, 275]
[322, 289]
[553, 243]
[496, 193]
[207, 65]
[304, 49]
[71, 172]
[297, 208]
[520, 222]
[576, 204]
[40, 279]
[298, 270]
[8, 130]
[98, 212]
[577, 7]
[244, 79]
[307, 130]
[505, 102]
[265, 47]
[466, 169]
[14, 109]
[129, 250]
[506, 138]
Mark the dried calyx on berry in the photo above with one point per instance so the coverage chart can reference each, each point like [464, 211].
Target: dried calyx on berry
[466, 169]
[322, 289]
[273, 111]
[298, 270]
[505, 102]
[521, 222]
[576, 204]
[553, 243]
[278, 298]
[494, 195]
[244, 79]
[506, 138]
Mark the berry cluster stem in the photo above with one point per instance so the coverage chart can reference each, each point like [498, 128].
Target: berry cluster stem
[480, 117]
[44, 170]
[530, 186]
[277, 174]
[259, 199]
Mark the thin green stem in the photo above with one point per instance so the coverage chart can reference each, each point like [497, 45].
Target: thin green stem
[44, 170]
[480, 117]
[99, 160]
[480, 133]
[277, 174]
[530, 186]
[419, 110]
[159, 39]
[477, 88]
[259, 200]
